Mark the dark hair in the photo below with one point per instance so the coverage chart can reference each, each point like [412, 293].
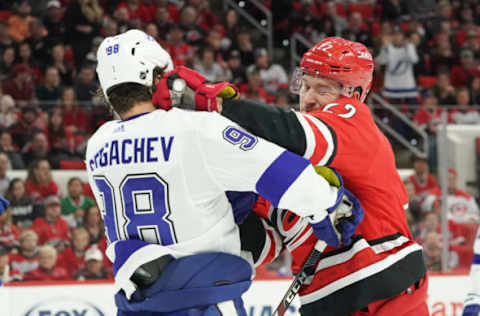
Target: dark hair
[34, 165]
[9, 194]
[70, 181]
[125, 96]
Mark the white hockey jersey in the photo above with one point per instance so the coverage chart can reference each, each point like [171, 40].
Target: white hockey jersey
[161, 177]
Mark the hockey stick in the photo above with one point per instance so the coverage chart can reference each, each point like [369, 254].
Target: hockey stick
[307, 270]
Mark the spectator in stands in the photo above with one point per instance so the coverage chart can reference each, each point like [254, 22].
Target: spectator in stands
[282, 98]
[86, 85]
[461, 206]
[235, 72]
[189, 18]
[50, 91]
[475, 91]
[339, 22]
[464, 113]
[7, 274]
[7, 147]
[94, 269]
[54, 23]
[52, 228]
[26, 259]
[38, 42]
[6, 64]
[443, 90]
[254, 88]
[25, 57]
[231, 25]
[461, 74]
[4, 178]
[65, 68]
[244, 45]
[18, 22]
[8, 112]
[122, 19]
[429, 116]
[40, 183]
[25, 128]
[182, 53]
[60, 139]
[152, 30]
[73, 258]
[432, 251]
[422, 180]
[399, 56]
[430, 223]
[357, 31]
[8, 231]
[38, 148]
[110, 27]
[137, 12]
[5, 39]
[83, 18]
[414, 211]
[273, 76]
[163, 21]
[208, 67]
[47, 270]
[93, 223]
[21, 85]
[22, 207]
[74, 117]
[75, 203]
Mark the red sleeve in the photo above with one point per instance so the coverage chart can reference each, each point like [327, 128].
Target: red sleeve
[38, 226]
[52, 188]
[432, 182]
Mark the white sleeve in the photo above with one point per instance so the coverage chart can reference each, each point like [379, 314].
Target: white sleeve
[473, 296]
[282, 75]
[240, 161]
[412, 53]
[382, 58]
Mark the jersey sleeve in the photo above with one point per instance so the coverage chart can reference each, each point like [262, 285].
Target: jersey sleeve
[473, 296]
[241, 161]
[303, 134]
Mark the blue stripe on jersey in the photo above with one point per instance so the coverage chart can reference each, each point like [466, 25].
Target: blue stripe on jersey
[476, 259]
[124, 250]
[278, 177]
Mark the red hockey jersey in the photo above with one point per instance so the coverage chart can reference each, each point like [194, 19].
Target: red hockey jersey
[383, 260]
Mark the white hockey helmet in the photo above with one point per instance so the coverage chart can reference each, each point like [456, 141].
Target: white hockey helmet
[130, 58]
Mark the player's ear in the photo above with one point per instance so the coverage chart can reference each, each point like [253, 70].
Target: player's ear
[357, 92]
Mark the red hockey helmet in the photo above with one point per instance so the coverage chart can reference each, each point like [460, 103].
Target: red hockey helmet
[349, 63]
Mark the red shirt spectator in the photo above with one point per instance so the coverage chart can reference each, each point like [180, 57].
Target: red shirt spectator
[51, 228]
[73, 115]
[26, 260]
[39, 182]
[429, 116]
[8, 234]
[461, 74]
[21, 86]
[73, 258]
[47, 270]
[180, 51]
[136, 10]
[7, 274]
[422, 179]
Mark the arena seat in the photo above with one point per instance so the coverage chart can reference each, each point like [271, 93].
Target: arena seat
[72, 165]
[5, 15]
[426, 81]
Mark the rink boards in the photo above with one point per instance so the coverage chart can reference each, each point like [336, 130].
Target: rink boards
[446, 295]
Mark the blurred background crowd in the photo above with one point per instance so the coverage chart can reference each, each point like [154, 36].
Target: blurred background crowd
[426, 54]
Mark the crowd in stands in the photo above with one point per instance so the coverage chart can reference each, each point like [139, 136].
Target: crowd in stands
[426, 56]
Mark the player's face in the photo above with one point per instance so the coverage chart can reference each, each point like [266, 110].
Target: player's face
[316, 92]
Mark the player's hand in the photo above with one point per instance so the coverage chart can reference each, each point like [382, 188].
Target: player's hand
[344, 215]
[471, 310]
[206, 95]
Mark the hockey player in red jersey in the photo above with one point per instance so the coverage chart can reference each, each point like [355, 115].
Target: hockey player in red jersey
[382, 271]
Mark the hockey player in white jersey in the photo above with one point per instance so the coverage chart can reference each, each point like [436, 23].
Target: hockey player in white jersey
[160, 178]
[472, 302]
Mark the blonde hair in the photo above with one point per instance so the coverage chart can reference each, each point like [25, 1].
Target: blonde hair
[47, 250]
[27, 234]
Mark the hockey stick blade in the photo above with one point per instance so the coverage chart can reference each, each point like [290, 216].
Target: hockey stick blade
[307, 269]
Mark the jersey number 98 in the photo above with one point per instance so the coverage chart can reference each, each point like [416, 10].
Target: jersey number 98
[145, 209]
